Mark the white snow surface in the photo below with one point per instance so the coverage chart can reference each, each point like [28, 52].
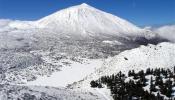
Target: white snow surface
[151, 56]
[47, 93]
[112, 42]
[85, 20]
[68, 75]
[82, 20]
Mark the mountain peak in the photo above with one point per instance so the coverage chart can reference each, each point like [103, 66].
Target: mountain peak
[84, 4]
[87, 21]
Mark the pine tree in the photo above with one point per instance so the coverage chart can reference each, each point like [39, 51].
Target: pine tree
[132, 73]
[94, 84]
[129, 73]
[126, 90]
[169, 88]
[143, 80]
[158, 81]
[159, 97]
[141, 73]
[152, 86]
[148, 71]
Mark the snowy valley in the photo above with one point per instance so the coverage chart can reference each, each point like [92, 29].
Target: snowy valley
[56, 57]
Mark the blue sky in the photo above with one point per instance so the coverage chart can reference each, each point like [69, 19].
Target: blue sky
[139, 12]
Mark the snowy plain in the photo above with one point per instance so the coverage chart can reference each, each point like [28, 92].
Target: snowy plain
[68, 75]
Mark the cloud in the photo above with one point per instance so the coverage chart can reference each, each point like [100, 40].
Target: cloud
[167, 32]
[4, 22]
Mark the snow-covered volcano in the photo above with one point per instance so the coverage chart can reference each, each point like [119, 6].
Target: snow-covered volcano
[30, 51]
[85, 20]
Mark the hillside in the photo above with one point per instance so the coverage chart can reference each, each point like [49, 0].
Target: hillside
[151, 56]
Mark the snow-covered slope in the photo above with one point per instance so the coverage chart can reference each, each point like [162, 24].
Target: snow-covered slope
[15, 92]
[85, 20]
[151, 56]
